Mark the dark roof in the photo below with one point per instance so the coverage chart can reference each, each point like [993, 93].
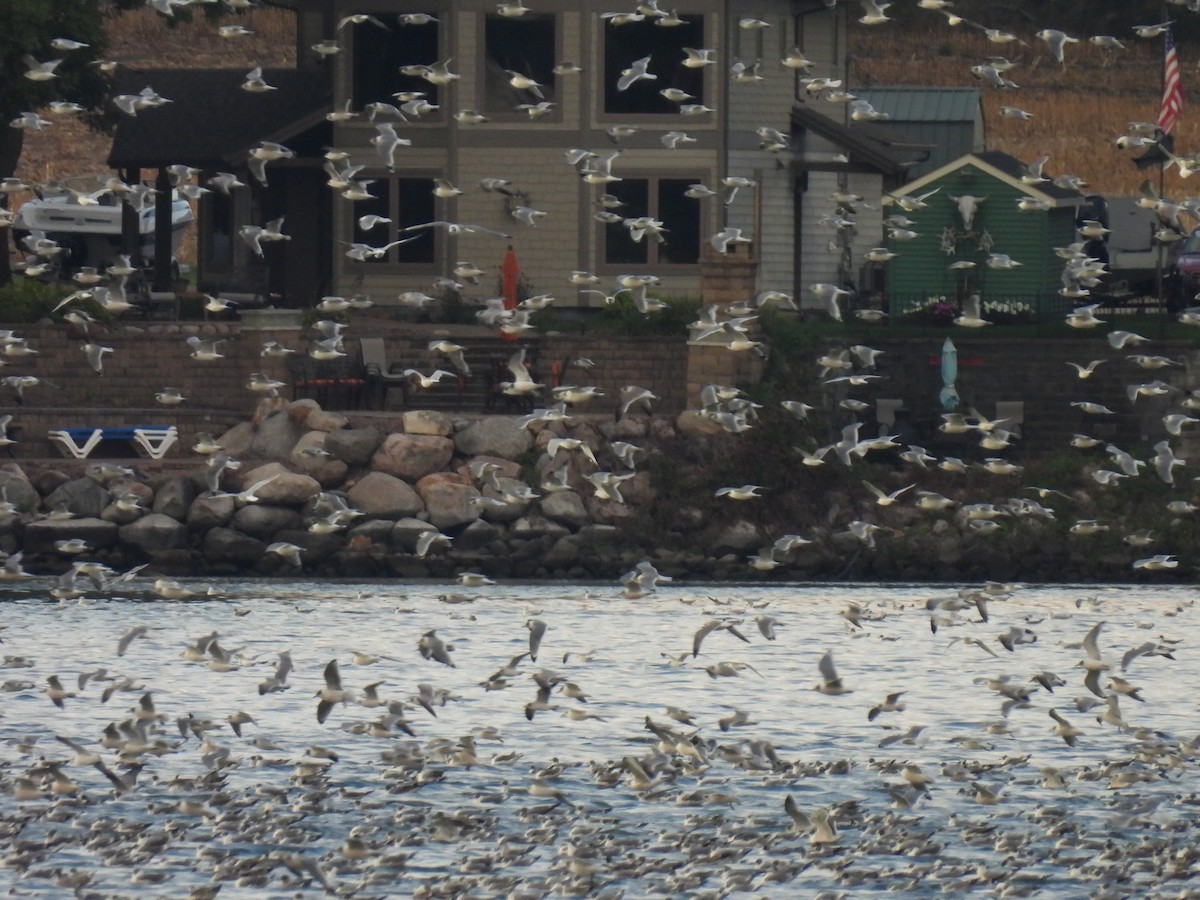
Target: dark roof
[882, 150]
[211, 121]
[1010, 165]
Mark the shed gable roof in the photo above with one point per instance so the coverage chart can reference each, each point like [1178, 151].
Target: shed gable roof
[1002, 167]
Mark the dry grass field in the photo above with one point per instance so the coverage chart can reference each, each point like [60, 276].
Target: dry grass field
[1078, 111]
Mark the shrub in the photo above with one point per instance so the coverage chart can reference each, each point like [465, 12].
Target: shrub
[623, 317]
[26, 300]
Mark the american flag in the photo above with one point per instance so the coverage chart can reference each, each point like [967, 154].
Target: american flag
[1172, 100]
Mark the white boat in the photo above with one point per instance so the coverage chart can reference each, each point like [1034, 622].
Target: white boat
[91, 235]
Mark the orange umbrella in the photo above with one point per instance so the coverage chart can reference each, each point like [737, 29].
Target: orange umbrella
[510, 272]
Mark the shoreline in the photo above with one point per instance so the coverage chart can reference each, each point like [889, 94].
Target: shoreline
[357, 502]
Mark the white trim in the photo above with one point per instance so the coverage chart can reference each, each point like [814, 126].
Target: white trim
[970, 159]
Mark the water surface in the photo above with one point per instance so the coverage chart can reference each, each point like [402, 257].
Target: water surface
[440, 815]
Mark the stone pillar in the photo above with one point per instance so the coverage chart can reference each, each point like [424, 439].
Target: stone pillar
[728, 277]
[725, 278]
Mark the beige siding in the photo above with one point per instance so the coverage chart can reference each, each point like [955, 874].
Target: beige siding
[818, 263]
[508, 147]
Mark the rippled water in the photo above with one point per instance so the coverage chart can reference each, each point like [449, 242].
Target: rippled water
[712, 824]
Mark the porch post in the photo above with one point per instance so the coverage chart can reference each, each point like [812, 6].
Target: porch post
[162, 231]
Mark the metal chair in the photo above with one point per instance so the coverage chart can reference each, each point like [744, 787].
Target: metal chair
[379, 375]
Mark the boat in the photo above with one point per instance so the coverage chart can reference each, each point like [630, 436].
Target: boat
[90, 234]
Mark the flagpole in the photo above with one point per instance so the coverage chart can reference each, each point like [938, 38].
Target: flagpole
[1162, 178]
[1162, 166]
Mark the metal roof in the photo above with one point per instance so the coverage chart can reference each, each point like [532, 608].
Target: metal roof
[921, 104]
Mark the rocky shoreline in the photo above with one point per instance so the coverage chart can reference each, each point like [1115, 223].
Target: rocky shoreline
[356, 501]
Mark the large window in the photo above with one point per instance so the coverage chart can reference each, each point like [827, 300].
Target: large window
[624, 44]
[662, 199]
[406, 201]
[525, 45]
[379, 55]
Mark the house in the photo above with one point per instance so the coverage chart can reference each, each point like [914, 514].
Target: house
[982, 229]
[540, 130]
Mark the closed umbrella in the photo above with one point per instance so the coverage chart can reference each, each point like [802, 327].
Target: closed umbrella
[510, 274]
[948, 395]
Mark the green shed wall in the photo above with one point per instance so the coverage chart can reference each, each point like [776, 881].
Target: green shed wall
[921, 268]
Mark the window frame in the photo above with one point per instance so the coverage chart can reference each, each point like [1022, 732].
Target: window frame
[550, 82]
[666, 110]
[358, 55]
[392, 263]
[654, 182]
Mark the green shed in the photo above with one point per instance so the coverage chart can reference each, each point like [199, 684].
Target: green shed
[983, 229]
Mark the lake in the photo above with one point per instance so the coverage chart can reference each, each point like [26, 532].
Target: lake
[586, 784]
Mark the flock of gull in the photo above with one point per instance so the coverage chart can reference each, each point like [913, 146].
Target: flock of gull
[775, 740]
[993, 739]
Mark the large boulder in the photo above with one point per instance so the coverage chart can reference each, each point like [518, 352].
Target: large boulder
[479, 535]
[505, 467]
[286, 488]
[264, 522]
[566, 508]
[41, 535]
[353, 446]
[237, 440]
[299, 410]
[82, 496]
[513, 508]
[405, 533]
[427, 421]
[224, 545]
[412, 456]
[371, 533]
[322, 420]
[173, 497]
[16, 489]
[155, 534]
[275, 438]
[563, 554]
[692, 424]
[210, 512]
[494, 436]
[105, 474]
[384, 496]
[122, 515]
[739, 536]
[309, 456]
[448, 499]
[533, 526]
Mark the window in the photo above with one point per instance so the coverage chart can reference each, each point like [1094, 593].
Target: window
[623, 44]
[662, 199]
[406, 201]
[526, 45]
[379, 54]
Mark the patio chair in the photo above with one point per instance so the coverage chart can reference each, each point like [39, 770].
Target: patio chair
[328, 381]
[380, 377]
